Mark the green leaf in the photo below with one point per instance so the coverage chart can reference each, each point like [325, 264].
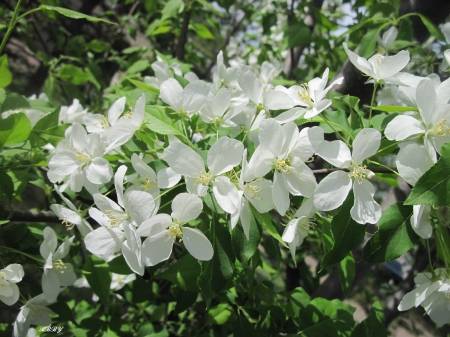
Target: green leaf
[296, 35]
[393, 108]
[2, 95]
[443, 243]
[298, 300]
[242, 327]
[138, 67]
[72, 74]
[143, 86]
[172, 8]
[220, 313]
[368, 44]
[63, 311]
[183, 273]
[14, 129]
[14, 102]
[326, 318]
[5, 74]
[118, 265]
[216, 272]
[202, 31]
[99, 279]
[157, 120]
[211, 202]
[73, 14]
[353, 103]
[184, 298]
[433, 187]
[339, 120]
[347, 272]
[244, 249]
[6, 186]
[373, 325]
[434, 31]
[394, 237]
[266, 222]
[97, 46]
[347, 234]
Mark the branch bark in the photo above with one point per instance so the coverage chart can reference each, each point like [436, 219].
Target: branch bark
[31, 216]
[181, 46]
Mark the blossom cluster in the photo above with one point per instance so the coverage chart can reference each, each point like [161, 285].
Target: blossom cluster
[257, 160]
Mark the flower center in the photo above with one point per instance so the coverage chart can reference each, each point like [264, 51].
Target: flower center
[204, 178]
[129, 114]
[254, 190]
[35, 312]
[146, 182]
[103, 122]
[174, 231]
[305, 96]
[304, 226]
[69, 226]
[59, 266]
[82, 157]
[360, 172]
[115, 217]
[441, 129]
[282, 165]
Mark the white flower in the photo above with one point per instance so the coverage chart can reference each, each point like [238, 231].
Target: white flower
[185, 101]
[311, 95]
[380, 68]
[333, 190]
[412, 162]
[119, 281]
[122, 131]
[117, 232]
[80, 158]
[71, 216]
[56, 273]
[284, 149]
[217, 109]
[163, 230]
[387, 39]
[226, 76]
[432, 293]
[73, 113]
[434, 123]
[99, 123]
[225, 154]
[9, 291]
[34, 312]
[298, 228]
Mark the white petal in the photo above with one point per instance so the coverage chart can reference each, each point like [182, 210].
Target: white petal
[118, 183]
[224, 155]
[48, 246]
[306, 209]
[271, 136]
[186, 207]
[250, 85]
[104, 241]
[277, 100]
[50, 285]
[335, 152]
[68, 278]
[155, 225]
[259, 193]
[261, 162]
[301, 180]
[426, 100]
[365, 209]
[391, 65]
[412, 162]
[104, 203]
[63, 250]
[140, 205]
[99, 171]
[413, 298]
[290, 230]
[290, 115]
[171, 93]
[420, 221]
[197, 244]
[436, 307]
[156, 248]
[119, 134]
[183, 160]
[366, 144]
[15, 272]
[280, 194]
[308, 142]
[194, 96]
[11, 298]
[332, 191]
[359, 62]
[167, 178]
[62, 163]
[226, 194]
[402, 127]
[116, 110]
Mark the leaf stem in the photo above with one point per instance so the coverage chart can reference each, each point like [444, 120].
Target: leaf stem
[20, 252]
[167, 191]
[337, 133]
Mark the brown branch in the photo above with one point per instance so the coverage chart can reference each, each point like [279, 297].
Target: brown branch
[32, 216]
[181, 47]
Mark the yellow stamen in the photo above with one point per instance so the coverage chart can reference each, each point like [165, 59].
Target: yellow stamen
[360, 172]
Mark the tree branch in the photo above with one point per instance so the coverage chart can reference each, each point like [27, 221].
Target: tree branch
[183, 35]
[31, 216]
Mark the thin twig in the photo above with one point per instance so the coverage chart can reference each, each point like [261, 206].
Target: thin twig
[181, 47]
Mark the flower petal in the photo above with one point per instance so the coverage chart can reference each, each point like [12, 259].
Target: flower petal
[366, 144]
[104, 241]
[280, 195]
[227, 195]
[99, 171]
[332, 191]
[412, 162]
[197, 244]
[116, 110]
[140, 206]
[186, 207]
[118, 183]
[402, 127]
[420, 221]
[63, 249]
[183, 160]
[391, 65]
[194, 96]
[155, 225]
[156, 248]
[365, 209]
[50, 285]
[48, 246]
[336, 153]
[171, 93]
[250, 85]
[224, 155]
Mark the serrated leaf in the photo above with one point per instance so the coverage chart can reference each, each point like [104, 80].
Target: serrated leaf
[14, 129]
[5, 74]
[326, 318]
[99, 279]
[373, 325]
[158, 121]
[347, 273]
[73, 14]
[347, 234]
[266, 222]
[394, 237]
[433, 187]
